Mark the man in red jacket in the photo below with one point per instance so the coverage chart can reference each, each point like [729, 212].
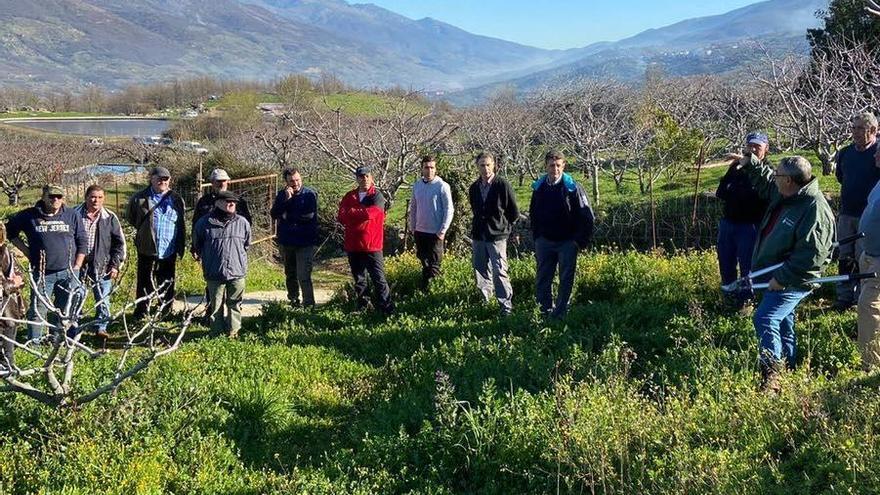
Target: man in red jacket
[362, 213]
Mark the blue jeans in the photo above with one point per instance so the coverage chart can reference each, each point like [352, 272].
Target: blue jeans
[774, 325]
[57, 287]
[548, 255]
[735, 244]
[100, 290]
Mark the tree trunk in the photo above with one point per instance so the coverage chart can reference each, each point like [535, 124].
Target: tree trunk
[594, 172]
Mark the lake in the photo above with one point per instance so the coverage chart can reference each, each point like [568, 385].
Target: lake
[97, 127]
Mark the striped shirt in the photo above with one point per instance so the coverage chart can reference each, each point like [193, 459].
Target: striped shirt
[164, 224]
[91, 225]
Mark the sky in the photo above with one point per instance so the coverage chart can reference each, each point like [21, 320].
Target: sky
[558, 23]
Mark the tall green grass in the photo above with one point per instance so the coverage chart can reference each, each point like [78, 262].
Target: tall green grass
[646, 387]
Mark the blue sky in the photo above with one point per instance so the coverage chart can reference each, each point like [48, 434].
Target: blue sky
[558, 23]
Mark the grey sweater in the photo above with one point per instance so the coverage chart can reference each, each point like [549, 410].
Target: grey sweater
[870, 222]
[431, 209]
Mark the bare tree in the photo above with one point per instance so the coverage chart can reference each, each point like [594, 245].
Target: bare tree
[587, 118]
[389, 142]
[508, 128]
[27, 161]
[48, 375]
[817, 98]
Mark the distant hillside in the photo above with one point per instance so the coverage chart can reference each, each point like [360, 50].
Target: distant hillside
[707, 45]
[114, 43]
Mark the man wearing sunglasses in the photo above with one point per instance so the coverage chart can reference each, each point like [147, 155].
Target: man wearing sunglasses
[56, 248]
[798, 231]
[157, 214]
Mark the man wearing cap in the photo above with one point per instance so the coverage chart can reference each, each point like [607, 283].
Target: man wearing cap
[798, 231]
[362, 213]
[857, 173]
[493, 204]
[743, 211]
[219, 182]
[56, 248]
[296, 211]
[157, 215]
[562, 222]
[220, 242]
[105, 253]
[430, 215]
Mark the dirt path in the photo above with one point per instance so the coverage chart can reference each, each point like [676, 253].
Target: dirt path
[253, 301]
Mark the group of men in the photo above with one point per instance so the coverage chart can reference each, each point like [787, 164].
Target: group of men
[781, 216]
[770, 216]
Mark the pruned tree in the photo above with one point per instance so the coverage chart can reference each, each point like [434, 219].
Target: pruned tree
[390, 141]
[27, 161]
[508, 128]
[817, 99]
[586, 117]
[48, 369]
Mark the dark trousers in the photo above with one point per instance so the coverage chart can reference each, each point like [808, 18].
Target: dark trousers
[373, 263]
[735, 244]
[151, 274]
[298, 262]
[549, 255]
[429, 250]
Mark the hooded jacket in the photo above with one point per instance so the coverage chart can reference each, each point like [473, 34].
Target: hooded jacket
[561, 212]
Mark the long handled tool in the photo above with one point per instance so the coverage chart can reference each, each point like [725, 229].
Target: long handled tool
[852, 277]
[746, 282]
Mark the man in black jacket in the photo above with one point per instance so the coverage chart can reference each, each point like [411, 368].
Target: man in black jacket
[493, 204]
[157, 214]
[562, 221]
[105, 253]
[743, 211]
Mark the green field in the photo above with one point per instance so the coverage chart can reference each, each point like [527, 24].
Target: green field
[647, 387]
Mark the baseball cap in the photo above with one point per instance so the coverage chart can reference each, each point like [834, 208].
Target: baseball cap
[757, 138]
[160, 172]
[53, 190]
[363, 170]
[218, 174]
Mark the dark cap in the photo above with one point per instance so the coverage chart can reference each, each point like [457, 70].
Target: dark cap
[363, 170]
[160, 172]
[53, 190]
[757, 138]
[226, 196]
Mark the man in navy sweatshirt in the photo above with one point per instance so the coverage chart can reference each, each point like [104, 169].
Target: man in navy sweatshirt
[857, 173]
[562, 221]
[296, 211]
[56, 248]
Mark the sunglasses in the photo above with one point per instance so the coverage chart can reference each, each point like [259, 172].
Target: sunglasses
[56, 196]
[163, 179]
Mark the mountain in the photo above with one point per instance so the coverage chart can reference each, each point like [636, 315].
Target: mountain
[725, 43]
[114, 43]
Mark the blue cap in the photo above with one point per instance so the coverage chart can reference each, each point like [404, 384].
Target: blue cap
[757, 138]
[363, 170]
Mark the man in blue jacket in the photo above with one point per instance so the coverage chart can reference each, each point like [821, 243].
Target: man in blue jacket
[857, 173]
[296, 211]
[562, 222]
[56, 248]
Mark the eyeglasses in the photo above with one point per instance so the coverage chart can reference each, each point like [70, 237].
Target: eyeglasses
[56, 196]
[163, 179]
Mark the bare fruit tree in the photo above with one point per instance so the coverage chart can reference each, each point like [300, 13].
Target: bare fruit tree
[45, 370]
[28, 161]
[818, 98]
[586, 117]
[509, 129]
[389, 140]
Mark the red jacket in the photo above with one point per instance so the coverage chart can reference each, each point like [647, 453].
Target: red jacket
[364, 221]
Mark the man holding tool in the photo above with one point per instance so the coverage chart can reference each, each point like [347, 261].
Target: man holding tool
[797, 231]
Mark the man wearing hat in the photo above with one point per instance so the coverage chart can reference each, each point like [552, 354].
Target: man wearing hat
[743, 211]
[56, 248]
[219, 182]
[157, 215]
[220, 242]
[362, 213]
[857, 173]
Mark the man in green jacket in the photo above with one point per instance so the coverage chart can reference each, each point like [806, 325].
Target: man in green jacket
[797, 230]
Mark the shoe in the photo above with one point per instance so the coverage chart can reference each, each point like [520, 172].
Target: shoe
[102, 334]
[505, 312]
[745, 310]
